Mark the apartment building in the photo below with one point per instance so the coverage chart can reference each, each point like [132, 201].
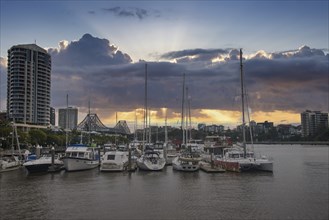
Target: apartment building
[28, 84]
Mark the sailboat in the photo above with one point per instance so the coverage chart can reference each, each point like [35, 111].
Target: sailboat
[151, 160]
[238, 159]
[188, 160]
[11, 162]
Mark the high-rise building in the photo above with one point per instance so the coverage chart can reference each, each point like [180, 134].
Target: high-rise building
[28, 84]
[52, 116]
[68, 118]
[313, 122]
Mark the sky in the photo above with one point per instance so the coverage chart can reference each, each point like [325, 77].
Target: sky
[99, 50]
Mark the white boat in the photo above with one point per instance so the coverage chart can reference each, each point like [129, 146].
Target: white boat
[11, 161]
[8, 163]
[151, 161]
[80, 157]
[43, 164]
[234, 159]
[239, 159]
[171, 154]
[187, 162]
[114, 161]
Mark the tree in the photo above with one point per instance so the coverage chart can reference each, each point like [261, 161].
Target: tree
[37, 137]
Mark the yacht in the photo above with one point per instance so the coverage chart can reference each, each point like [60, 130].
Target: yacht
[81, 157]
[8, 163]
[187, 161]
[151, 160]
[43, 164]
[234, 159]
[114, 161]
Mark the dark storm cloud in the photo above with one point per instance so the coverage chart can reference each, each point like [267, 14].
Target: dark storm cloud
[92, 69]
[192, 52]
[194, 55]
[296, 82]
[139, 13]
[88, 51]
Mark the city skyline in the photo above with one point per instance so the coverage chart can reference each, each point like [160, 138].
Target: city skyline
[99, 49]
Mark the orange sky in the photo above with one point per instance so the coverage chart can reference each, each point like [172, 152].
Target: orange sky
[208, 116]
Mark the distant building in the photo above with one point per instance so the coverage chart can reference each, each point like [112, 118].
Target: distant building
[3, 116]
[201, 126]
[286, 131]
[313, 122]
[52, 116]
[264, 127]
[214, 129]
[68, 118]
[28, 84]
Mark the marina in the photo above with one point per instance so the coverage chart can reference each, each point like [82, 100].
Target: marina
[297, 189]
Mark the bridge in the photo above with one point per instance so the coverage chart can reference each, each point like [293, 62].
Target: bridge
[92, 123]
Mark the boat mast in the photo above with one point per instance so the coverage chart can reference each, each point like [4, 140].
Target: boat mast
[145, 108]
[149, 126]
[187, 118]
[190, 119]
[182, 121]
[135, 127]
[67, 120]
[242, 100]
[89, 123]
[166, 130]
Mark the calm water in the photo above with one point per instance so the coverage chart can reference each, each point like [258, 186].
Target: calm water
[297, 189]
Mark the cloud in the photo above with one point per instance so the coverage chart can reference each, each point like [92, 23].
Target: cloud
[195, 55]
[93, 69]
[292, 80]
[3, 83]
[87, 51]
[133, 12]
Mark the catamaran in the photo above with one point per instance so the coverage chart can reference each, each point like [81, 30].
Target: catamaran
[238, 159]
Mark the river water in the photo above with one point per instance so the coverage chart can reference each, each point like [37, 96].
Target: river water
[297, 189]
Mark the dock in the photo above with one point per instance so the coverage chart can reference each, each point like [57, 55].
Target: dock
[132, 168]
[206, 167]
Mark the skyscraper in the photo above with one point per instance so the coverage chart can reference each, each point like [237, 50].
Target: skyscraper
[52, 116]
[28, 84]
[313, 122]
[68, 118]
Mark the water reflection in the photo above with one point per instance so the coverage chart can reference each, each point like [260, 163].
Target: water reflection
[297, 189]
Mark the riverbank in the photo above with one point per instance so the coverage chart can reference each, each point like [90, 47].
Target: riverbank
[293, 142]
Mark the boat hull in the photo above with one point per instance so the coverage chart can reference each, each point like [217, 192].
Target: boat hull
[77, 164]
[34, 168]
[9, 165]
[185, 166]
[264, 165]
[42, 165]
[113, 167]
[245, 166]
[151, 166]
[169, 159]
